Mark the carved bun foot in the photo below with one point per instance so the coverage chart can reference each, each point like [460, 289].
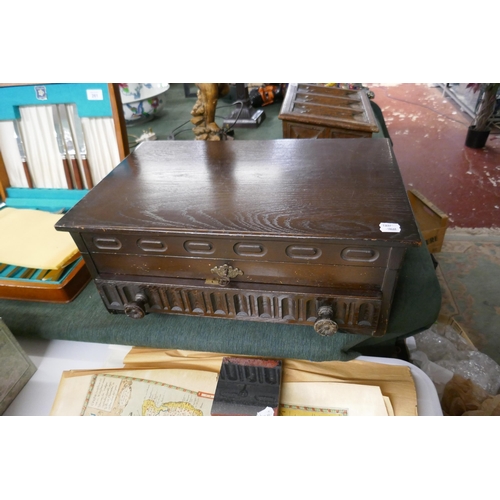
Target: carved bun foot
[136, 309]
[325, 325]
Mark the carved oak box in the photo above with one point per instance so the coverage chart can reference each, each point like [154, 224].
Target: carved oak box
[318, 112]
[305, 232]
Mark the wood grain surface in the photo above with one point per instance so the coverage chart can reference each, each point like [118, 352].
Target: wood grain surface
[329, 107]
[327, 190]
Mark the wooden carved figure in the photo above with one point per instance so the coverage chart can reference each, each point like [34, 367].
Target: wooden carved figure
[204, 110]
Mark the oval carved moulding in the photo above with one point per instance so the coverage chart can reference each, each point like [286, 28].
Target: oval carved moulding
[199, 247]
[303, 252]
[360, 254]
[152, 245]
[107, 243]
[247, 249]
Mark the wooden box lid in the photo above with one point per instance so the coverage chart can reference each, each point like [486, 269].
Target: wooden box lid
[328, 190]
[328, 107]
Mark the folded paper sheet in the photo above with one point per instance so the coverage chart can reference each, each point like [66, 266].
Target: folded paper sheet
[331, 399]
[135, 392]
[391, 387]
[28, 239]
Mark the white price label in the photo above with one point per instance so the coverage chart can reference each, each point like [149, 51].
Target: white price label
[266, 412]
[390, 227]
[94, 94]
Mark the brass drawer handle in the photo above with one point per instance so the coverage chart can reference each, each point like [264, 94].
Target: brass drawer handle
[226, 273]
[137, 308]
[324, 325]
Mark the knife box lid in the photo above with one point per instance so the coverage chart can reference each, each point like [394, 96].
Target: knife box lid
[328, 190]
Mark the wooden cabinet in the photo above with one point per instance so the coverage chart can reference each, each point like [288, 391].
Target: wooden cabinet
[317, 112]
[309, 232]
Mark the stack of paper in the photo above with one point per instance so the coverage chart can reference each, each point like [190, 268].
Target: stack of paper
[29, 239]
[172, 382]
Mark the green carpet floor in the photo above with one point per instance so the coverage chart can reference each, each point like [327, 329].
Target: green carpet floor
[469, 275]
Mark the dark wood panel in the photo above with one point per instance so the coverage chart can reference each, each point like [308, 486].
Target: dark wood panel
[329, 107]
[265, 250]
[308, 88]
[327, 100]
[293, 130]
[355, 314]
[255, 272]
[300, 131]
[330, 189]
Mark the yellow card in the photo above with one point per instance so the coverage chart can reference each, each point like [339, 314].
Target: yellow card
[28, 239]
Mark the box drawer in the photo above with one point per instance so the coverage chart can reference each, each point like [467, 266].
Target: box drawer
[248, 271]
[275, 251]
[356, 313]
